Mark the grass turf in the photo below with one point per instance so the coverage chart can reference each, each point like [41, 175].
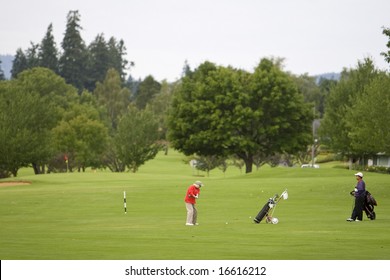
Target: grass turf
[81, 215]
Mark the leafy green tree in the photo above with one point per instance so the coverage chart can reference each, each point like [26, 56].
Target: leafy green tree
[81, 136]
[335, 126]
[369, 117]
[25, 122]
[148, 88]
[53, 91]
[48, 53]
[111, 159]
[74, 58]
[82, 139]
[136, 140]
[112, 97]
[325, 86]
[160, 106]
[279, 120]
[51, 87]
[311, 91]
[224, 111]
[195, 114]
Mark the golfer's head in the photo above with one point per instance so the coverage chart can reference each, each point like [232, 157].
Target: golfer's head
[359, 175]
[198, 184]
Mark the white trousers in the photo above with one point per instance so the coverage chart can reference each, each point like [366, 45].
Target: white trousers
[192, 213]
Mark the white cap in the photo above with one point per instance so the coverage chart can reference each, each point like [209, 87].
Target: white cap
[199, 184]
[360, 174]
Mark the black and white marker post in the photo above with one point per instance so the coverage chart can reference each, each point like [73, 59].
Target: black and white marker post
[124, 201]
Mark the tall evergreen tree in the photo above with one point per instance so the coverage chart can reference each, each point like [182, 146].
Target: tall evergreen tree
[98, 62]
[118, 61]
[32, 56]
[48, 53]
[72, 63]
[19, 63]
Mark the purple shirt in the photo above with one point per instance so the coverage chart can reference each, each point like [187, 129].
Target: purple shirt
[361, 188]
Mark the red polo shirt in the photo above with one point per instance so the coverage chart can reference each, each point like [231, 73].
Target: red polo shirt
[191, 193]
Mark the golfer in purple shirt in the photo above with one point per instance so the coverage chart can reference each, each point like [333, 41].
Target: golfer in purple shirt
[359, 194]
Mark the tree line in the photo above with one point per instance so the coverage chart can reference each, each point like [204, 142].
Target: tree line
[56, 121]
[45, 123]
[79, 64]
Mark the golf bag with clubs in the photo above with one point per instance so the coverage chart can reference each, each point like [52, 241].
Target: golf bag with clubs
[269, 208]
[369, 203]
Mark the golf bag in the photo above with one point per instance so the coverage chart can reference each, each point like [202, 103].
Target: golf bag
[269, 208]
[264, 211]
[369, 204]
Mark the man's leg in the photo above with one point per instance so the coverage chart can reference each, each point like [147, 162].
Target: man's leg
[195, 214]
[359, 208]
[190, 213]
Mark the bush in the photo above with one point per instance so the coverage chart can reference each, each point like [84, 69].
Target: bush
[378, 169]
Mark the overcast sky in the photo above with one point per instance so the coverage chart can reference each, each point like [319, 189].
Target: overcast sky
[313, 36]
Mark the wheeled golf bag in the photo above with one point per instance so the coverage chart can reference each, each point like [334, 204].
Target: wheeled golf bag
[264, 211]
[369, 204]
[269, 208]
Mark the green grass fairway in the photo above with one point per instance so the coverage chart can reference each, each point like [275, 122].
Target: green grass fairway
[81, 216]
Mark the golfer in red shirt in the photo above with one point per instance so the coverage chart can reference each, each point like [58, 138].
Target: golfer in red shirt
[190, 200]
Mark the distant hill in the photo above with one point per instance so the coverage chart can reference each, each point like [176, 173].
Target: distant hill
[6, 65]
[328, 76]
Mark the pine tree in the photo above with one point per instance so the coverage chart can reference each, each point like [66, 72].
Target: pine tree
[98, 62]
[32, 56]
[117, 52]
[73, 62]
[48, 53]
[19, 63]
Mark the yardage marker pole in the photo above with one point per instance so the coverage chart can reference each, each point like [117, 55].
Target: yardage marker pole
[124, 201]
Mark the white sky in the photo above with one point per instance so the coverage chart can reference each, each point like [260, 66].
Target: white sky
[314, 36]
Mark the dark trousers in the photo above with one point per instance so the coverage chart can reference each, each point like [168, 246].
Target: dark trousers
[357, 212]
